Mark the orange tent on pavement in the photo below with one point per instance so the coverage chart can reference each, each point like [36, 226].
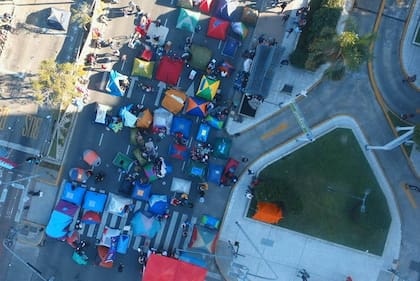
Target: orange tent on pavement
[144, 119]
[174, 100]
[268, 212]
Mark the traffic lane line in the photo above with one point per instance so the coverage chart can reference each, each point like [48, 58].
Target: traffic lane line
[409, 195]
[283, 126]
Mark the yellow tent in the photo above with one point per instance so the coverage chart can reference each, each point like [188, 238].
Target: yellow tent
[143, 68]
[207, 88]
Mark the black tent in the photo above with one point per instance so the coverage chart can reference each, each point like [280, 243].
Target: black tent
[59, 19]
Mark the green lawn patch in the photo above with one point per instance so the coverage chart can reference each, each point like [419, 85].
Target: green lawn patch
[300, 181]
[417, 39]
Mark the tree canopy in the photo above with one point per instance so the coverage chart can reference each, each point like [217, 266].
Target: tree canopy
[81, 15]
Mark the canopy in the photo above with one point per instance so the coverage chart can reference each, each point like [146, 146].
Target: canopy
[200, 57]
[94, 201]
[169, 70]
[158, 204]
[222, 148]
[144, 119]
[206, 6]
[187, 20]
[59, 19]
[203, 239]
[217, 28]
[73, 193]
[123, 161]
[215, 173]
[210, 222]
[143, 68]
[104, 257]
[129, 119]
[79, 175]
[102, 116]
[230, 47]
[107, 235]
[91, 158]
[57, 226]
[91, 217]
[180, 185]
[141, 191]
[207, 88]
[174, 100]
[185, 4]
[268, 212]
[228, 10]
[67, 208]
[162, 119]
[193, 259]
[249, 16]
[143, 225]
[181, 125]
[178, 151]
[197, 107]
[203, 132]
[118, 205]
[161, 268]
[114, 85]
[123, 243]
[197, 169]
[214, 122]
[240, 29]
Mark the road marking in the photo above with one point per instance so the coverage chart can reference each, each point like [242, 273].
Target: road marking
[100, 139]
[409, 195]
[4, 113]
[130, 89]
[31, 127]
[283, 126]
[19, 147]
[128, 149]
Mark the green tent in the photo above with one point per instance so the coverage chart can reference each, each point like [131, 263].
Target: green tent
[197, 169]
[187, 19]
[207, 88]
[143, 68]
[222, 148]
[200, 57]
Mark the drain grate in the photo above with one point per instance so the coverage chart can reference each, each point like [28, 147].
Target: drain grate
[267, 242]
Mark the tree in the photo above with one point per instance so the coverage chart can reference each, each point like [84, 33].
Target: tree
[416, 135]
[81, 15]
[56, 83]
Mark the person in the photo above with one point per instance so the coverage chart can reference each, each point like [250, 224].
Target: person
[234, 179]
[244, 159]
[120, 267]
[285, 18]
[283, 6]
[250, 172]
[203, 186]
[304, 274]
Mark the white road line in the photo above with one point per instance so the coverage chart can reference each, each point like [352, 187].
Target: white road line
[179, 232]
[132, 84]
[142, 99]
[113, 222]
[158, 237]
[170, 231]
[100, 139]
[128, 149]
[16, 146]
[193, 221]
[220, 45]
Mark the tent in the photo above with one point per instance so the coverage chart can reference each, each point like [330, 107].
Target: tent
[91, 157]
[207, 88]
[59, 19]
[240, 29]
[206, 6]
[249, 16]
[150, 172]
[91, 217]
[162, 119]
[161, 268]
[158, 204]
[141, 191]
[181, 125]
[129, 119]
[187, 20]
[200, 57]
[193, 259]
[118, 205]
[169, 70]
[94, 201]
[174, 100]
[180, 185]
[79, 175]
[178, 151]
[122, 161]
[197, 107]
[144, 119]
[114, 83]
[197, 169]
[217, 28]
[203, 239]
[230, 47]
[73, 193]
[147, 226]
[222, 148]
[188, 4]
[228, 10]
[215, 173]
[268, 212]
[143, 68]
[61, 218]
[203, 132]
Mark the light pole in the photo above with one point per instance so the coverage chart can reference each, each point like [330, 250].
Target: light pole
[363, 199]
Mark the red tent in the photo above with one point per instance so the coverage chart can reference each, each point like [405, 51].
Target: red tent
[217, 28]
[169, 70]
[161, 268]
[206, 6]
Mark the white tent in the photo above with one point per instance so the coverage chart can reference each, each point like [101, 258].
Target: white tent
[180, 185]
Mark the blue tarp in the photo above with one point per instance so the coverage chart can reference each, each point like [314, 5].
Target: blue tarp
[94, 201]
[215, 173]
[113, 86]
[203, 132]
[58, 224]
[181, 125]
[141, 191]
[123, 243]
[158, 204]
[143, 225]
[193, 260]
[73, 193]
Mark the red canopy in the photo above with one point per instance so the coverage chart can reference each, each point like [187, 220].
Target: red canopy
[169, 70]
[206, 6]
[217, 28]
[161, 268]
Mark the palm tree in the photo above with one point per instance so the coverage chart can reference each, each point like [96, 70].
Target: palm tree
[81, 15]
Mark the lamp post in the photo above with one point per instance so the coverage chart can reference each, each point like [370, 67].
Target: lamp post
[363, 199]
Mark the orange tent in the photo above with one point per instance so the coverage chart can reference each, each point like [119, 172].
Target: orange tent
[268, 212]
[174, 100]
[144, 119]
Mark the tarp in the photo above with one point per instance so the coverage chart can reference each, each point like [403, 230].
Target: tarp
[117, 205]
[102, 116]
[123, 243]
[222, 148]
[200, 57]
[114, 83]
[174, 100]
[67, 208]
[149, 171]
[197, 169]
[102, 254]
[79, 175]
[210, 222]
[7, 164]
[187, 20]
[268, 212]
[169, 70]
[180, 185]
[203, 132]
[162, 119]
[91, 157]
[158, 204]
[73, 193]
[196, 260]
[91, 217]
[141, 191]
[230, 47]
[203, 239]
[107, 234]
[94, 201]
[129, 119]
[161, 268]
[59, 19]
[217, 28]
[240, 29]
[207, 89]
[123, 161]
[185, 4]
[143, 68]
[57, 226]
[144, 119]
[228, 10]
[181, 125]
[197, 107]
[206, 6]
[215, 173]
[249, 16]
[178, 151]
[214, 122]
[143, 225]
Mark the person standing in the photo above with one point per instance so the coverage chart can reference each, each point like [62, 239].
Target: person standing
[283, 6]
[120, 267]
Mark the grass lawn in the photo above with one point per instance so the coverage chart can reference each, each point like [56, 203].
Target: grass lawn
[299, 183]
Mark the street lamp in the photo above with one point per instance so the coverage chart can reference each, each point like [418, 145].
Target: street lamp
[363, 199]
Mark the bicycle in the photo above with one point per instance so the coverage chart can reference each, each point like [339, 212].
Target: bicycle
[10, 238]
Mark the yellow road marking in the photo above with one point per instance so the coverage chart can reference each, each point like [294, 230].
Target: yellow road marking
[278, 129]
[31, 128]
[409, 195]
[4, 112]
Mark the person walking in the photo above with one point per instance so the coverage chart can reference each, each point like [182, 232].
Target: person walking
[251, 172]
[283, 6]
[120, 267]
[244, 159]
[286, 18]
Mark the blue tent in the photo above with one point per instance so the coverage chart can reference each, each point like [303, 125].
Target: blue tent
[141, 191]
[214, 122]
[228, 10]
[203, 132]
[94, 201]
[123, 242]
[113, 86]
[58, 224]
[230, 47]
[197, 260]
[73, 193]
[215, 173]
[147, 226]
[158, 204]
[181, 125]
